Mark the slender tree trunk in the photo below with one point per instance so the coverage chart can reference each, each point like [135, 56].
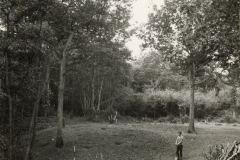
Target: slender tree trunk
[59, 138]
[93, 89]
[47, 101]
[10, 106]
[1, 102]
[41, 88]
[99, 96]
[237, 107]
[7, 83]
[84, 102]
[72, 98]
[1, 89]
[32, 128]
[234, 98]
[191, 128]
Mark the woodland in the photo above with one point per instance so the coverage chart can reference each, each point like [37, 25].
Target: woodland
[61, 59]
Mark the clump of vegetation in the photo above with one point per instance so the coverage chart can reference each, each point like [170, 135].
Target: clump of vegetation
[166, 119]
[91, 115]
[213, 152]
[184, 119]
[147, 119]
[227, 120]
[175, 120]
[220, 152]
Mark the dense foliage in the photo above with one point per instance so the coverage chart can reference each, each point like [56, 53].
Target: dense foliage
[192, 34]
[58, 53]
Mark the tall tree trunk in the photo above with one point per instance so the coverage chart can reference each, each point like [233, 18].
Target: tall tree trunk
[7, 83]
[0, 82]
[84, 102]
[234, 96]
[32, 128]
[10, 105]
[234, 93]
[41, 89]
[2, 102]
[237, 107]
[191, 128]
[72, 96]
[99, 96]
[59, 138]
[93, 89]
[47, 100]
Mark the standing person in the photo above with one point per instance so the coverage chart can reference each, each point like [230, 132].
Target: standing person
[179, 144]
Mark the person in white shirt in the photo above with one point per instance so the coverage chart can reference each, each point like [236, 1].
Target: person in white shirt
[179, 144]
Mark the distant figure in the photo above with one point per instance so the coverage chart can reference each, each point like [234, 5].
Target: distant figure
[179, 144]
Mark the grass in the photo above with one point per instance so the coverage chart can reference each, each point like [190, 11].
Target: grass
[130, 141]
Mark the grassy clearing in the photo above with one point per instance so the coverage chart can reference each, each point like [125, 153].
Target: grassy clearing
[126, 141]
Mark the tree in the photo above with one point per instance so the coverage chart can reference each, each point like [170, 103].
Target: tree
[83, 24]
[71, 34]
[102, 74]
[160, 73]
[23, 28]
[229, 38]
[231, 78]
[182, 32]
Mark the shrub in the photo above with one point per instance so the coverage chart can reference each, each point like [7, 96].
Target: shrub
[227, 120]
[166, 119]
[162, 103]
[175, 120]
[220, 113]
[91, 115]
[162, 119]
[147, 119]
[213, 152]
[103, 115]
[136, 107]
[184, 119]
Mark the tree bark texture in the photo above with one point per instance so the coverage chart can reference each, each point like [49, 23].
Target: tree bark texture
[93, 89]
[99, 96]
[32, 128]
[47, 101]
[10, 105]
[59, 138]
[191, 128]
[7, 83]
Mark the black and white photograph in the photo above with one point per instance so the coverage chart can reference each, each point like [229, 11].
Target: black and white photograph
[119, 79]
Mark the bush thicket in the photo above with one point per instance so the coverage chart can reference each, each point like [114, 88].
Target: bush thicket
[171, 103]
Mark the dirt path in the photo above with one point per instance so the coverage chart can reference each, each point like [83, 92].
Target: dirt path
[140, 141]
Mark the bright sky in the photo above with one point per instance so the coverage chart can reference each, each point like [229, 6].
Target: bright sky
[140, 11]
